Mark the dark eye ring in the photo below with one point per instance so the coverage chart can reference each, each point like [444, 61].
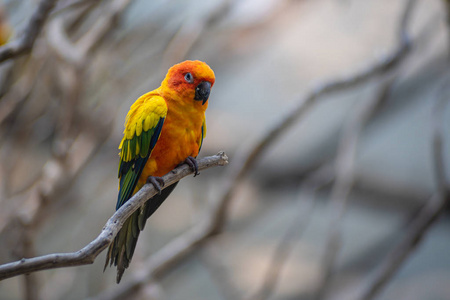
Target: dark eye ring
[189, 78]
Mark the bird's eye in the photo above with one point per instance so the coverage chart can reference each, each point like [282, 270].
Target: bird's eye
[189, 78]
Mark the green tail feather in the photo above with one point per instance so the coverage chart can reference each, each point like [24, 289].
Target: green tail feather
[121, 250]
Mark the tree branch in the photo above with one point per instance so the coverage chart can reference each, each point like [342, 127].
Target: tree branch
[76, 53]
[243, 162]
[427, 217]
[24, 44]
[88, 254]
[345, 177]
[307, 196]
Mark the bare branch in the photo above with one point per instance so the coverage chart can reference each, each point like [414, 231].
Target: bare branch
[243, 162]
[345, 177]
[218, 271]
[307, 195]
[103, 25]
[426, 218]
[75, 53]
[88, 254]
[437, 125]
[191, 31]
[25, 43]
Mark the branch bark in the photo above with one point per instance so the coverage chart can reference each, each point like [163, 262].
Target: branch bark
[88, 254]
[25, 43]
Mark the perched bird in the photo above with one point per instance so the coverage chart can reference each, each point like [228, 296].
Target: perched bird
[164, 128]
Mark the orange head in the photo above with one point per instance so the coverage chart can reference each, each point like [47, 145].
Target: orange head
[188, 81]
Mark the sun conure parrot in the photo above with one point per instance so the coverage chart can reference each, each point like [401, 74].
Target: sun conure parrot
[164, 128]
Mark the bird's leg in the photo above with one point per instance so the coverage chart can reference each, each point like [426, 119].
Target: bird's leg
[157, 182]
[192, 163]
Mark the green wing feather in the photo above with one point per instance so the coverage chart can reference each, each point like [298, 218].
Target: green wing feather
[142, 129]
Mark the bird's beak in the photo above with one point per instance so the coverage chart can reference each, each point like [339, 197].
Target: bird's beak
[202, 91]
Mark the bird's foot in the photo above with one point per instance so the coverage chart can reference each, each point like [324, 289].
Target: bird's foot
[157, 182]
[192, 163]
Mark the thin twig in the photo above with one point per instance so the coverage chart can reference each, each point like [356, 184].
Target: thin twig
[345, 177]
[191, 31]
[244, 162]
[307, 195]
[88, 254]
[58, 173]
[25, 43]
[107, 21]
[19, 91]
[447, 15]
[345, 161]
[76, 53]
[218, 271]
[427, 216]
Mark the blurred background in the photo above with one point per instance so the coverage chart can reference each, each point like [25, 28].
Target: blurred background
[330, 206]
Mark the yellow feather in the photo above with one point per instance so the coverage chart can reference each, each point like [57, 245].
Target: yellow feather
[147, 123]
[139, 128]
[153, 120]
[131, 130]
[129, 153]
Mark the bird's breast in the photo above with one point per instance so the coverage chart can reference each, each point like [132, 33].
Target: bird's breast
[179, 139]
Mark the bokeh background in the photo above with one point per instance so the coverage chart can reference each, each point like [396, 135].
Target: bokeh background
[320, 210]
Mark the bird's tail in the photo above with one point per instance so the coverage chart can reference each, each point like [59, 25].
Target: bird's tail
[122, 248]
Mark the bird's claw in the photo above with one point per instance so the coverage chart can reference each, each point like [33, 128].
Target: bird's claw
[157, 182]
[192, 163]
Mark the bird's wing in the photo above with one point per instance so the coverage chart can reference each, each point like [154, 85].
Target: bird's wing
[142, 130]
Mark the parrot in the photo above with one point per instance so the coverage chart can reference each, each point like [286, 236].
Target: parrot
[163, 129]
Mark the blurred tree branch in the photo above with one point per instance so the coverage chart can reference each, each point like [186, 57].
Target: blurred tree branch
[307, 196]
[88, 254]
[346, 159]
[24, 44]
[191, 31]
[427, 217]
[62, 161]
[218, 271]
[76, 53]
[245, 160]
[74, 144]
[345, 176]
